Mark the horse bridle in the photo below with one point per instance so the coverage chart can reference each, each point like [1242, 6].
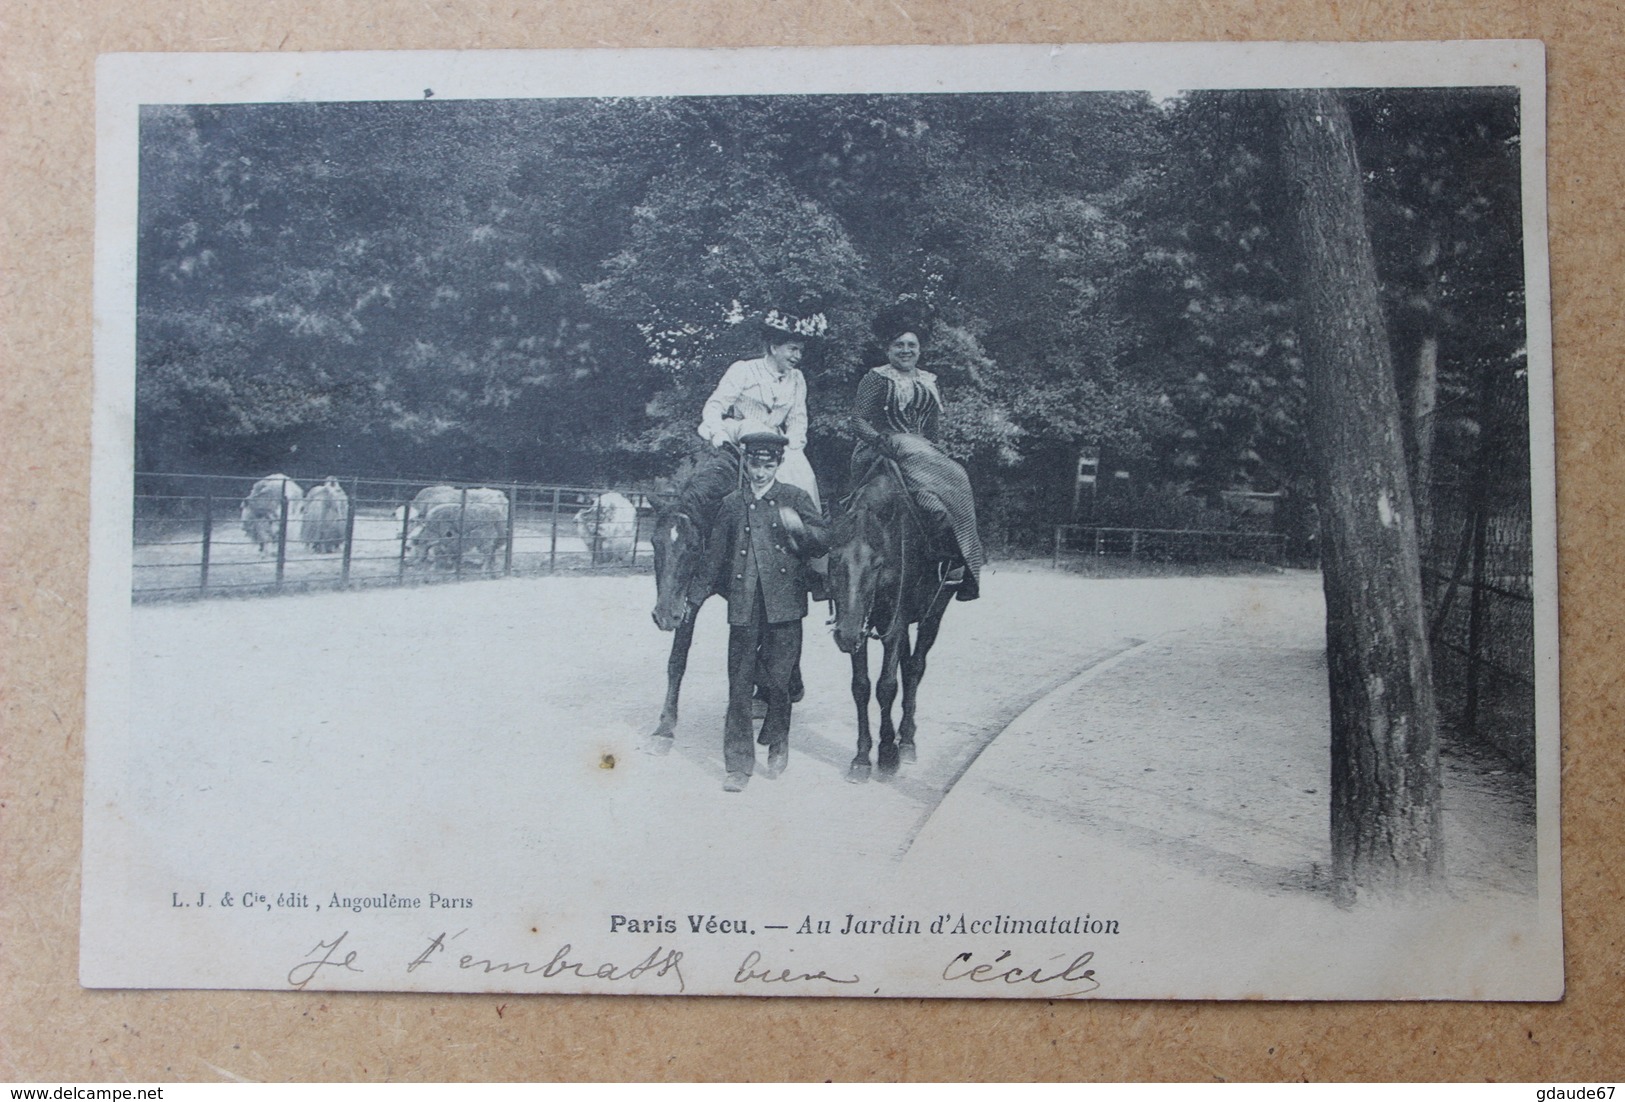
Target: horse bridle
[671, 518]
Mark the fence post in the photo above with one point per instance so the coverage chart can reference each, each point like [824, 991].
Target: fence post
[637, 525]
[208, 535]
[507, 552]
[1475, 619]
[1456, 574]
[282, 539]
[1134, 545]
[349, 532]
[462, 522]
[1099, 549]
[406, 531]
[553, 537]
[1055, 556]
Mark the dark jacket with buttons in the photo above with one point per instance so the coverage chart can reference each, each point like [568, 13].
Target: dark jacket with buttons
[750, 548]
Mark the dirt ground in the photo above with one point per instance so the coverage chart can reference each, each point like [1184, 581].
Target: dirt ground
[1157, 738]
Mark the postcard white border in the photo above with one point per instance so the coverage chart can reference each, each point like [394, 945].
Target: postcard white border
[126, 81]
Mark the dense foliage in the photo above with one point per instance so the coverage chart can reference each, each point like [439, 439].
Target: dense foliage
[546, 290]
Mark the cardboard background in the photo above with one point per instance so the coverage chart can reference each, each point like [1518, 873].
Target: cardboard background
[52, 1031]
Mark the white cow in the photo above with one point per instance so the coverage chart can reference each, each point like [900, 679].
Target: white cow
[263, 508]
[327, 509]
[426, 499]
[477, 530]
[430, 496]
[608, 527]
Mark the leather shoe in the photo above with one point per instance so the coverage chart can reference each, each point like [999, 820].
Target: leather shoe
[777, 758]
[736, 782]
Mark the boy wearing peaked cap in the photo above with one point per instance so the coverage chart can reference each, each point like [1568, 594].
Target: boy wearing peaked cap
[763, 534]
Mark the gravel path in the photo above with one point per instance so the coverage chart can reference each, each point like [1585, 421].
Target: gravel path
[1160, 741]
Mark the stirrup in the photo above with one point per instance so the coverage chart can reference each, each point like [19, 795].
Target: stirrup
[951, 575]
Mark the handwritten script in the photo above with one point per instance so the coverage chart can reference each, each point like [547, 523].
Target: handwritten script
[1076, 978]
[751, 970]
[305, 971]
[330, 957]
[660, 963]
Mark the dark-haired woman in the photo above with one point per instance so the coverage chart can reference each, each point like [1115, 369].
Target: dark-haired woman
[897, 396]
[895, 416]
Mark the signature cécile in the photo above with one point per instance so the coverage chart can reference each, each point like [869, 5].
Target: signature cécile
[662, 962]
[961, 968]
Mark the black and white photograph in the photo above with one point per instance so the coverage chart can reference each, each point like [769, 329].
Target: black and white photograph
[956, 522]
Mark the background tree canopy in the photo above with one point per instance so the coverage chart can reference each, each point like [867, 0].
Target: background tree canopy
[540, 290]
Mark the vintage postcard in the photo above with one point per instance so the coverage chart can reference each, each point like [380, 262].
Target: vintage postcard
[996, 522]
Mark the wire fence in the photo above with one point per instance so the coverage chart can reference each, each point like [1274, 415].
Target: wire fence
[1169, 545]
[1477, 562]
[205, 536]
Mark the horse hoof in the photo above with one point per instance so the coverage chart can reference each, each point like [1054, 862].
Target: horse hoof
[906, 753]
[888, 760]
[658, 745]
[858, 772]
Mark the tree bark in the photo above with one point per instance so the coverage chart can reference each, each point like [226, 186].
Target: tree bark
[1424, 404]
[1385, 826]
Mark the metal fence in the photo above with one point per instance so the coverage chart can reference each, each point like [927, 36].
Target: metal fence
[190, 539]
[1477, 563]
[1169, 545]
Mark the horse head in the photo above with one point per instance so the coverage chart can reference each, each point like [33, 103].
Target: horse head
[863, 563]
[679, 546]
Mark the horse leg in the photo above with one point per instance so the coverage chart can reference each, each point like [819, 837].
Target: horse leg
[886, 695]
[858, 771]
[914, 670]
[676, 666]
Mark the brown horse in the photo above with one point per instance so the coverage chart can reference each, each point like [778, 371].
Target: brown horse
[886, 574]
[682, 525]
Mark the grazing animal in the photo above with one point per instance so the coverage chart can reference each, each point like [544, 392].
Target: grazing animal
[426, 498]
[682, 526]
[326, 515]
[608, 527]
[498, 499]
[274, 499]
[453, 535]
[886, 576]
[430, 496]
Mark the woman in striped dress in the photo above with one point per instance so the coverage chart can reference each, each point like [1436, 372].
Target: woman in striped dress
[895, 415]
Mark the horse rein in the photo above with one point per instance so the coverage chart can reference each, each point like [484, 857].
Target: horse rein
[902, 577]
[912, 513]
[902, 561]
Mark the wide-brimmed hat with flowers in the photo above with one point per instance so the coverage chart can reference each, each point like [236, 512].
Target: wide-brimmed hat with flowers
[781, 325]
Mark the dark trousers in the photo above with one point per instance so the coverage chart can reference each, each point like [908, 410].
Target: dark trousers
[765, 654]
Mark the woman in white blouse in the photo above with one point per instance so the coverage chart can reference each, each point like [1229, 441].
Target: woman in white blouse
[769, 392]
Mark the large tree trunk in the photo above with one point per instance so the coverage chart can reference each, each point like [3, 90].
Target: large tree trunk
[1385, 755]
[1424, 404]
